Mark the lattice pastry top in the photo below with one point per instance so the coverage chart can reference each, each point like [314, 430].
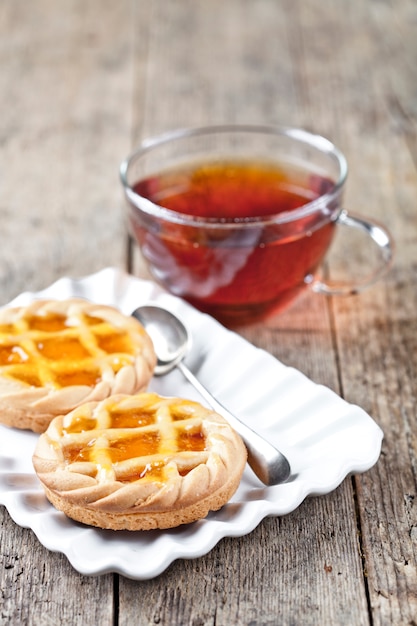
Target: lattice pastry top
[55, 355]
[139, 462]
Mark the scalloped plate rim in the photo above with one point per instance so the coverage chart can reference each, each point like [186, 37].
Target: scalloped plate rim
[212, 531]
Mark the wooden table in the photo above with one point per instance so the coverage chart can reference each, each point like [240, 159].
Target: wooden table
[81, 84]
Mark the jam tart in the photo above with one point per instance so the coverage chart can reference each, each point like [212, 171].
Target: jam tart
[56, 355]
[139, 462]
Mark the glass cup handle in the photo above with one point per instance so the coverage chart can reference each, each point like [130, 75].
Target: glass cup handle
[379, 236]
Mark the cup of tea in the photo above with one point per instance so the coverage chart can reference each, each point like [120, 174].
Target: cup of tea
[237, 219]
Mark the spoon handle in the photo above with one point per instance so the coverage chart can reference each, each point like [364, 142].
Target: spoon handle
[269, 465]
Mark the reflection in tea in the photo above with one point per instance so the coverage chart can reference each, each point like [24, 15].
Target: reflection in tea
[236, 274]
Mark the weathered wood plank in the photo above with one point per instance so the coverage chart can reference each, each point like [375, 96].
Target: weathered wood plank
[376, 333]
[65, 123]
[39, 587]
[65, 94]
[284, 572]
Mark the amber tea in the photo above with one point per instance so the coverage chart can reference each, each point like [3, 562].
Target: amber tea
[237, 219]
[238, 274]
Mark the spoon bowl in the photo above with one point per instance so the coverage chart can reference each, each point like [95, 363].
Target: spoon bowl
[169, 336]
[171, 342]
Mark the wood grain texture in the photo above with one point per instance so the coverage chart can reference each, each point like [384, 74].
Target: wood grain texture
[65, 98]
[40, 587]
[80, 85]
[292, 570]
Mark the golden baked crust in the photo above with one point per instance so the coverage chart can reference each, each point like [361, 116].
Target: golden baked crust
[139, 462]
[56, 355]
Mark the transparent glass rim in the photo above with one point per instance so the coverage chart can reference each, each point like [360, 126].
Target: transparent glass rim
[320, 143]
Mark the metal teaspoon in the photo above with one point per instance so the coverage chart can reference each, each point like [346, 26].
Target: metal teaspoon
[171, 342]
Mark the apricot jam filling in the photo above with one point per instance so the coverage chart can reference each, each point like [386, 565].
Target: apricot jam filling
[191, 441]
[47, 323]
[62, 348]
[29, 377]
[12, 354]
[131, 436]
[87, 377]
[153, 471]
[79, 424]
[118, 341]
[131, 419]
[56, 351]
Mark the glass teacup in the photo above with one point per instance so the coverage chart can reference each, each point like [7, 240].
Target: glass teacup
[238, 219]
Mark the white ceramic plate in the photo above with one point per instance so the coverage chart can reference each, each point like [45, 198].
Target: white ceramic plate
[324, 438]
